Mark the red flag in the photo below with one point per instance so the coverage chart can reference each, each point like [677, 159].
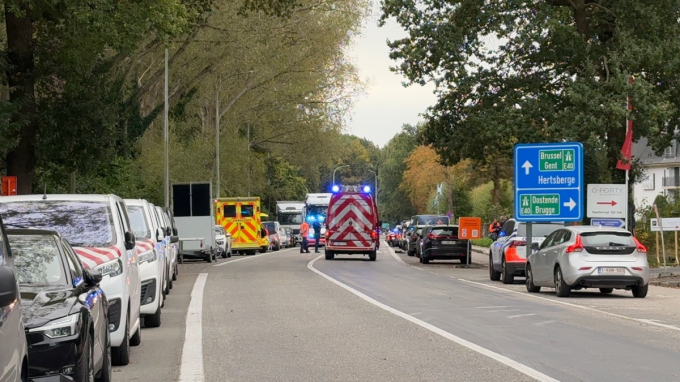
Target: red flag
[627, 149]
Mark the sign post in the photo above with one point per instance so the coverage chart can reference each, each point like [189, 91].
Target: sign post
[469, 229]
[548, 183]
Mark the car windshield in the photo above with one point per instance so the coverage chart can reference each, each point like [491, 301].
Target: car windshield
[138, 222]
[37, 260]
[607, 239]
[219, 230]
[271, 227]
[83, 224]
[290, 218]
[539, 229]
[431, 220]
[445, 231]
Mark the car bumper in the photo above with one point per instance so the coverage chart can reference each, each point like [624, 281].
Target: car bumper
[609, 281]
[577, 272]
[446, 252]
[115, 289]
[52, 361]
[149, 293]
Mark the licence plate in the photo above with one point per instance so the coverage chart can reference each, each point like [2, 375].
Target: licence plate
[449, 242]
[339, 243]
[611, 271]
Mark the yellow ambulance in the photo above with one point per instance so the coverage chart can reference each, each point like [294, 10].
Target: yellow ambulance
[240, 217]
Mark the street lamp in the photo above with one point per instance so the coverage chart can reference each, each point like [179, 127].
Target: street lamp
[376, 185]
[336, 169]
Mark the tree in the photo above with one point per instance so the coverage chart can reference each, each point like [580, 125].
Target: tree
[395, 204]
[512, 71]
[423, 174]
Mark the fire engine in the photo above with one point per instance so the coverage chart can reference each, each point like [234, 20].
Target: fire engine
[352, 223]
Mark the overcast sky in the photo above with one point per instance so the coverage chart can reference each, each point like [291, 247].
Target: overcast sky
[386, 104]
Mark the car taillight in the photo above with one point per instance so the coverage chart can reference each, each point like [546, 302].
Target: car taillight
[518, 243]
[374, 234]
[640, 248]
[431, 236]
[576, 247]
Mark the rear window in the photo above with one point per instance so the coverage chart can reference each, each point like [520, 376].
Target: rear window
[271, 227]
[445, 231]
[538, 229]
[138, 222]
[229, 211]
[83, 224]
[247, 211]
[432, 220]
[607, 239]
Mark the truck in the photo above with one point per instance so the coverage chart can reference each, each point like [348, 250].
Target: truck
[194, 216]
[241, 218]
[353, 223]
[316, 210]
[289, 215]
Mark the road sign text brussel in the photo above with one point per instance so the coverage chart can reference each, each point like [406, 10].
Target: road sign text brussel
[556, 160]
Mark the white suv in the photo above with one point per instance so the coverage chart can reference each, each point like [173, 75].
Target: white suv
[13, 352]
[98, 228]
[151, 261]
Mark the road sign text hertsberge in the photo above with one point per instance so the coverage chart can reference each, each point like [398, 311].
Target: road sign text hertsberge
[549, 182]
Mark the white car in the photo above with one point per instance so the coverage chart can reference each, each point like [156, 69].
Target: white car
[171, 250]
[151, 261]
[14, 351]
[223, 241]
[98, 228]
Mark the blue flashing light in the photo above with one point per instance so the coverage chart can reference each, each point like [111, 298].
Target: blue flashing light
[367, 189]
[336, 188]
[321, 218]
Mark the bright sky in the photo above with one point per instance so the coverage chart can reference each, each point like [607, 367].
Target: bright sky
[386, 105]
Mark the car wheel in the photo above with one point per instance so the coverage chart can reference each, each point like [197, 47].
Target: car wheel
[561, 288]
[329, 255]
[493, 274]
[85, 370]
[175, 273]
[531, 288]
[606, 290]
[408, 252]
[208, 258]
[263, 250]
[372, 256]
[425, 260]
[229, 254]
[170, 283]
[640, 291]
[136, 338]
[464, 260]
[153, 320]
[106, 373]
[508, 278]
[121, 354]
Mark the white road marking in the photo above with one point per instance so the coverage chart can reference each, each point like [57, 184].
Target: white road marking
[522, 315]
[571, 305]
[492, 307]
[544, 323]
[191, 369]
[501, 310]
[251, 257]
[395, 255]
[524, 369]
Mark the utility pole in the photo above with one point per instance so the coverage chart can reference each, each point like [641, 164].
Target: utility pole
[166, 136]
[217, 137]
[248, 160]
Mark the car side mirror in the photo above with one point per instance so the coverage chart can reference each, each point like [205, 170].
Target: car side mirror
[9, 291]
[93, 277]
[129, 240]
[175, 232]
[174, 239]
[159, 234]
[168, 231]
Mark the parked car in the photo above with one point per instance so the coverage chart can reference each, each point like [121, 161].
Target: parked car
[291, 237]
[98, 228]
[65, 311]
[151, 258]
[172, 246]
[263, 239]
[14, 351]
[578, 257]
[274, 230]
[442, 243]
[508, 254]
[415, 235]
[285, 239]
[223, 242]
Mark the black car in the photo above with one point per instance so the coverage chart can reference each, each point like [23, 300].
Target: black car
[412, 241]
[442, 243]
[65, 312]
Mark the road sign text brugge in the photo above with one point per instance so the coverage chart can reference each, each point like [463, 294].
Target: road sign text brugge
[549, 182]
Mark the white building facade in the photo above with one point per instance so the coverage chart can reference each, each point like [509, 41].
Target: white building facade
[661, 173]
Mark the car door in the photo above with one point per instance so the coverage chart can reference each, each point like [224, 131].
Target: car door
[11, 326]
[538, 261]
[499, 245]
[133, 267]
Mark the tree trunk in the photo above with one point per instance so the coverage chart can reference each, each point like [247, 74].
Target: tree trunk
[21, 160]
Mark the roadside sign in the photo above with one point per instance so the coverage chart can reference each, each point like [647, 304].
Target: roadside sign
[668, 224]
[548, 182]
[470, 228]
[607, 201]
[618, 223]
[9, 185]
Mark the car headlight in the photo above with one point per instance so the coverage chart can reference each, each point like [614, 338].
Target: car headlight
[60, 328]
[112, 268]
[147, 257]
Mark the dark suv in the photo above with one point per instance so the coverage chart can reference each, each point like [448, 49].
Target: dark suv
[442, 243]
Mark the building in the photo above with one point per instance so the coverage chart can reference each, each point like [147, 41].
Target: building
[661, 173]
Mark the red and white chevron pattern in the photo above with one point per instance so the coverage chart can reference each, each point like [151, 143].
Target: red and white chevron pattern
[352, 220]
[143, 246]
[90, 257]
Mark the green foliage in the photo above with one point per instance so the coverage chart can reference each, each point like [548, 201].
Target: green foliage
[482, 201]
[395, 204]
[484, 242]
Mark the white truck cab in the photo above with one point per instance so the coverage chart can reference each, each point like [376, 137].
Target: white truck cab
[13, 351]
[98, 228]
[316, 210]
[289, 214]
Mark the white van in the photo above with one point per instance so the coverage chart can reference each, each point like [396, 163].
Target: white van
[172, 247]
[151, 261]
[98, 228]
[13, 351]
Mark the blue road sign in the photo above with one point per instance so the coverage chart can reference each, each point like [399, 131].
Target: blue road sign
[618, 223]
[549, 182]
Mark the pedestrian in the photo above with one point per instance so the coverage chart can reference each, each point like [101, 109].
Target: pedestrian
[495, 226]
[304, 232]
[317, 234]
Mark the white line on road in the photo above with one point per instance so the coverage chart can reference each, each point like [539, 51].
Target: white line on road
[250, 257]
[572, 305]
[501, 310]
[191, 369]
[524, 369]
[394, 254]
[522, 315]
[544, 322]
[492, 307]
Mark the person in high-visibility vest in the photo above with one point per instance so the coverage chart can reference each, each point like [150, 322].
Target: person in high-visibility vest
[304, 232]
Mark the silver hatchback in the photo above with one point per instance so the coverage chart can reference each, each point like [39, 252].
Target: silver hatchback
[579, 257]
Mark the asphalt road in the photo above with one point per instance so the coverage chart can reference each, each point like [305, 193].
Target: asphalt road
[287, 316]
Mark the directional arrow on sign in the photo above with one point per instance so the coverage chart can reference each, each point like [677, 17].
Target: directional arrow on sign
[612, 203]
[571, 204]
[526, 166]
